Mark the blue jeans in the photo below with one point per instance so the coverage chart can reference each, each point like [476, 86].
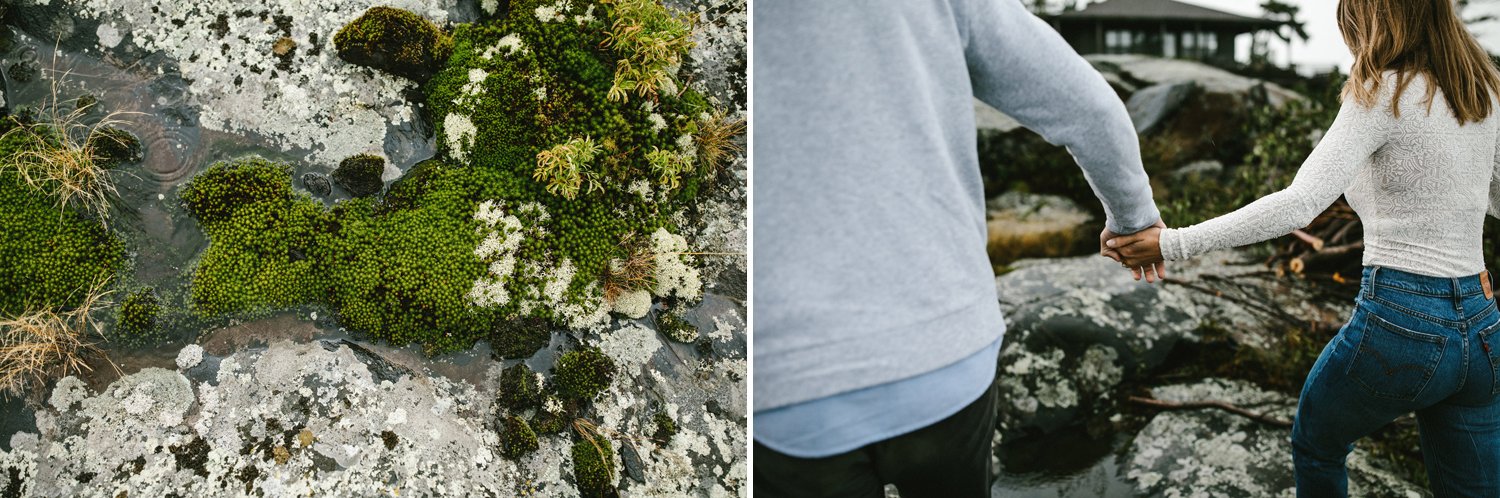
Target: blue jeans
[1414, 344]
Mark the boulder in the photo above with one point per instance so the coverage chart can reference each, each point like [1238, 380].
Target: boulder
[395, 41]
[1025, 225]
[1079, 327]
[1153, 105]
[1184, 110]
[1215, 453]
[361, 174]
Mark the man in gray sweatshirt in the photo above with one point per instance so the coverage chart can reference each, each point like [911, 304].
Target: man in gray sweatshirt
[877, 326]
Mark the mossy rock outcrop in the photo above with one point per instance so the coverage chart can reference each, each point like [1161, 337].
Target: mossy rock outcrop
[395, 41]
[360, 174]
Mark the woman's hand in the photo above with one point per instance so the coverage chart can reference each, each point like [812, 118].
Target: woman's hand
[1139, 249]
[1152, 270]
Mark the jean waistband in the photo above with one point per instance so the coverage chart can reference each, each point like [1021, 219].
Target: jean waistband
[1425, 285]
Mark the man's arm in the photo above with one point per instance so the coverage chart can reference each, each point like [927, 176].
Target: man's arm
[1021, 66]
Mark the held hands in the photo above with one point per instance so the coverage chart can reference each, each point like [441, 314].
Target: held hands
[1140, 251]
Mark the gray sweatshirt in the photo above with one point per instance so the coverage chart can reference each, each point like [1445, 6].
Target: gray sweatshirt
[870, 263]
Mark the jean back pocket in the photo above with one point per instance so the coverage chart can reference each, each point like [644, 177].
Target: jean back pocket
[1393, 361]
[1487, 340]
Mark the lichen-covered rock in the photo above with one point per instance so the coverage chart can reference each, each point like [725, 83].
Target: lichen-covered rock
[1214, 453]
[395, 41]
[190, 356]
[301, 419]
[360, 174]
[1078, 327]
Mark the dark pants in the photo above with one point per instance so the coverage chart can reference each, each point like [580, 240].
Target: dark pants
[950, 458]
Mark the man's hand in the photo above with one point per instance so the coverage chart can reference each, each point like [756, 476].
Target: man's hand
[1140, 265]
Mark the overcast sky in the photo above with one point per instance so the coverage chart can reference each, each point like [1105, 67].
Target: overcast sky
[1325, 48]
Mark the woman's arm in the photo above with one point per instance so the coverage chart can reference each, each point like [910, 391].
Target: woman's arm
[1356, 134]
[1495, 182]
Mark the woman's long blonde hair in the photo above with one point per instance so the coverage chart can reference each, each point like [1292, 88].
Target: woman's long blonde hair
[1415, 37]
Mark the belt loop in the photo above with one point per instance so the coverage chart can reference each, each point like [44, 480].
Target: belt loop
[1369, 287]
[1458, 296]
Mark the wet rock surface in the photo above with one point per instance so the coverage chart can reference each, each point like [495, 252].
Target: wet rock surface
[1215, 453]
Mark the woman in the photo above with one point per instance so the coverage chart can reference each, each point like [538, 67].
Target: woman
[1413, 149]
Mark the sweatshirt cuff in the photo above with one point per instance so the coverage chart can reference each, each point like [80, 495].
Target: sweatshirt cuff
[1135, 222]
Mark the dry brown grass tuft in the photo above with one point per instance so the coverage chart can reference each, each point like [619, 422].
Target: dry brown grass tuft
[633, 273]
[60, 153]
[39, 346]
[716, 140]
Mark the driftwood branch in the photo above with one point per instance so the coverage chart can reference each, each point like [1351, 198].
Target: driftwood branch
[1221, 405]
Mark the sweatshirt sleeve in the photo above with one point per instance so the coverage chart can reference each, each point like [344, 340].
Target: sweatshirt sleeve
[1356, 134]
[1024, 68]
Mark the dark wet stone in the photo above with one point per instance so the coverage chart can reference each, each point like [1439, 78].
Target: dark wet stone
[360, 174]
[317, 184]
[405, 190]
[381, 368]
[632, 461]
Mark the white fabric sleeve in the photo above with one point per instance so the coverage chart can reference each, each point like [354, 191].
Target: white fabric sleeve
[1356, 134]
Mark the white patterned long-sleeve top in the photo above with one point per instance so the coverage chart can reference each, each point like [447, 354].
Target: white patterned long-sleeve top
[1421, 184]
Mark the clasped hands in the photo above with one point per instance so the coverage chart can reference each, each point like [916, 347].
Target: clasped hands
[1140, 252]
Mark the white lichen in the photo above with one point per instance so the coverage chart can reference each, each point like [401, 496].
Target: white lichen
[189, 356]
[459, 133]
[675, 274]
[633, 304]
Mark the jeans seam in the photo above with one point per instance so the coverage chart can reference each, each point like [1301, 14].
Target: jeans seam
[1415, 313]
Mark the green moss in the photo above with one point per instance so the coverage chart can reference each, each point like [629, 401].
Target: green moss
[544, 131]
[262, 238]
[665, 427]
[520, 338]
[593, 465]
[583, 374]
[517, 437]
[519, 389]
[395, 41]
[138, 317]
[49, 256]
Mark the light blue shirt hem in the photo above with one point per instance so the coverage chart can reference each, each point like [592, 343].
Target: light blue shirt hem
[848, 421]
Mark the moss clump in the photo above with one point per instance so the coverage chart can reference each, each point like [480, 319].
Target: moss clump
[360, 174]
[519, 388]
[517, 437]
[138, 317]
[396, 41]
[593, 465]
[113, 147]
[665, 427]
[262, 238]
[48, 258]
[523, 107]
[584, 373]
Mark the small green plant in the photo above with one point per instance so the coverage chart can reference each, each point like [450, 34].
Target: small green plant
[669, 167]
[48, 258]
[517, 437]
[665, 428]
[651, 41]
[584, 373]
[562, 167]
